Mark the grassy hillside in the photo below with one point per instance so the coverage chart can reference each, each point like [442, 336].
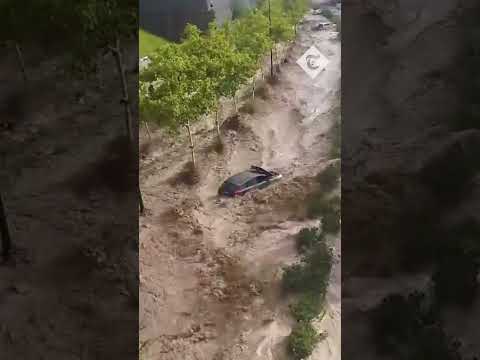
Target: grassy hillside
[149, 42]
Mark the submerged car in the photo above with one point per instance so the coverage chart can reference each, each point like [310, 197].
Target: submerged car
[254, 178]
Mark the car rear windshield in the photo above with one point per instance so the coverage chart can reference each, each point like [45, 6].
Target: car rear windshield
[228, 187]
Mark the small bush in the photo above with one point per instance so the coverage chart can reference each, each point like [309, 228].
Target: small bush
[312, 274]
[328, 209]
[293, 275]
[331, 220]
[302, 341]
[328, 178]
[307, 308]
[307, 239]
[317, 206]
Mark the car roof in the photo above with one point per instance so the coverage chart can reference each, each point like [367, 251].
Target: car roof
[243, 177]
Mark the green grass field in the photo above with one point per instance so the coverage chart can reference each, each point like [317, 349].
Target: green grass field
[149, 42]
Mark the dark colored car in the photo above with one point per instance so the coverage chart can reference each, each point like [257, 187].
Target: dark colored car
[254, 178]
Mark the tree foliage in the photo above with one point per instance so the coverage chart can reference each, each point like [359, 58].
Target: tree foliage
[185, 81]
[282, 26]
[296, 9]
[177, 90]
[188, 79]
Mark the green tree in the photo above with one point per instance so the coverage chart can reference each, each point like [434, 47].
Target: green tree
[295, 9]
[251, 38]
[176, 85]
[280, 29]
[226, 66]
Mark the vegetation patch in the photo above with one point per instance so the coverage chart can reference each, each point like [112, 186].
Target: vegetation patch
[311, 274]
[329, 177]
[308, 238]
[328, 209]
[309, 278]
[302, 341]
[307, 308]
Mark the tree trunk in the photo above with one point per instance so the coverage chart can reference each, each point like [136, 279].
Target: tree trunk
[4, 231]
[276, 54]
[271, 63]
[217, 125]
[270, 33]
[235, 102]
[21, 62]
[253, 90]
[125, 100]
[126, 103]
[148, 130]
[192, 146]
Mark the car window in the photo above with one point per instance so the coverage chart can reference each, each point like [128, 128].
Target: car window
[251, 182]
[255, 180]
[261, 179]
